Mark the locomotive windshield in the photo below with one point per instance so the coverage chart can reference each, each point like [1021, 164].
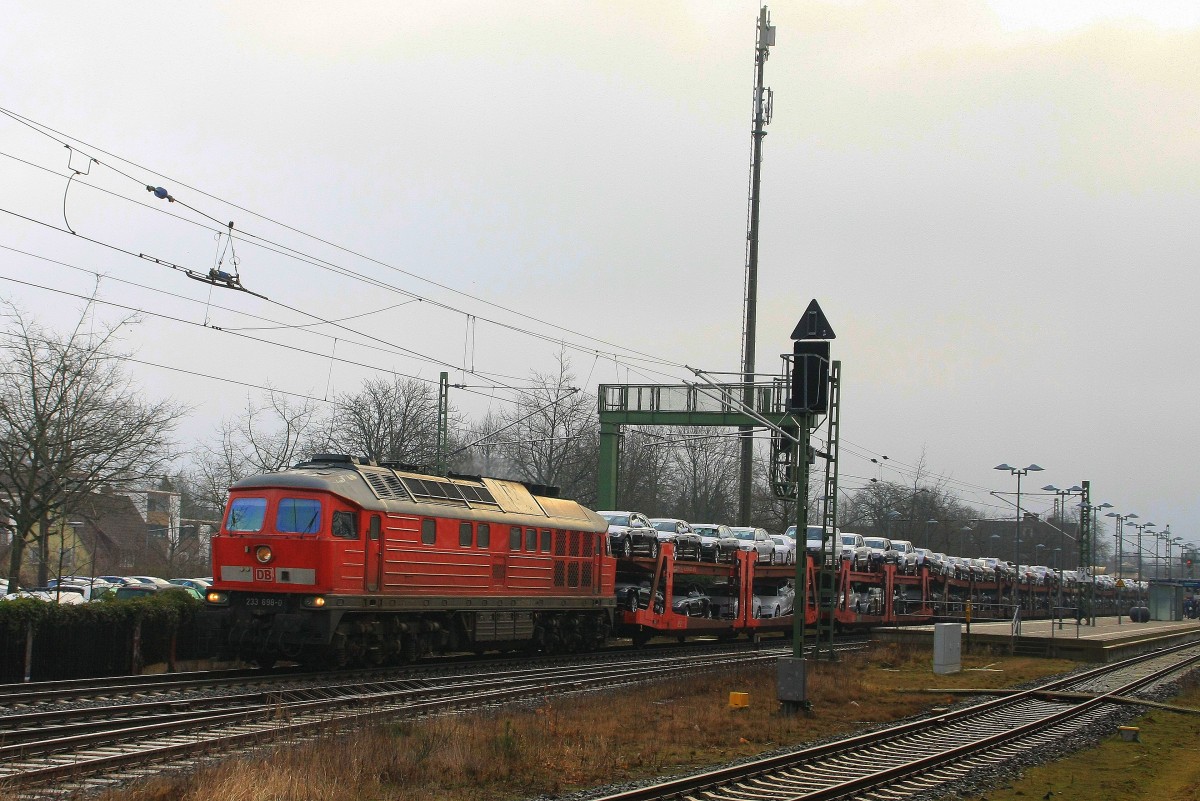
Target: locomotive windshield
[298, 516]
[246, 514]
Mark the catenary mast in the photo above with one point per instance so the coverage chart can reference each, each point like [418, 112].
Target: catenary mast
[762, 117]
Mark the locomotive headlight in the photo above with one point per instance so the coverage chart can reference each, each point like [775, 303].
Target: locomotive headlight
[218, 598]
[314, 601]
[263, 554]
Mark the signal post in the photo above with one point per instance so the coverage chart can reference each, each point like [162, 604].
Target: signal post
[812, 384]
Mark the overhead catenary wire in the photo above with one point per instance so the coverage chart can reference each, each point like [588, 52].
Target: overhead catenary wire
[403, 350]
[61, 137]
[49, 132]
[180, 320]
[318, 263]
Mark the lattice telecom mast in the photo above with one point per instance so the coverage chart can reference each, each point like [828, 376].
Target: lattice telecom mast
[762, 117]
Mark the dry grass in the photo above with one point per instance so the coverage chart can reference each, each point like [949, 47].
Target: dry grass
[579, 741]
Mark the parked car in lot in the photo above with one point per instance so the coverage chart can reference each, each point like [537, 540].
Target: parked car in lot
[161, 582]
[773, 600]
[129, 591]
[195, 583]
[89, 589]
[630, 533]
[717, 542]
[785, 550]
[679, 533]
[693, 604]
[756, 540]
[882, 552]
[906, 556]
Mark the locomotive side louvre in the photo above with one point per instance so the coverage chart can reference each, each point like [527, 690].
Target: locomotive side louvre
[397, 563]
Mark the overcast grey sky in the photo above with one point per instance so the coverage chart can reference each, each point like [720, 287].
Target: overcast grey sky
[994, 202]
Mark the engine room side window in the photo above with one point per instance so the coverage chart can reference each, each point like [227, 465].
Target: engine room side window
[531, 540]
[483, 535]
[464, 535]
[429, 531]
[298, 516]
[246, 514]
[545, 541]
[345, 525]
[514, 538]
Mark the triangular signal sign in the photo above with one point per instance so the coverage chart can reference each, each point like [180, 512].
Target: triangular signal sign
[813, 324]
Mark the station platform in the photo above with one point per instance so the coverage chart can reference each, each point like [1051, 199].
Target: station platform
[1109, 640]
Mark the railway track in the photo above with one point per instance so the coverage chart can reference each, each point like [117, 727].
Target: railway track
[920, 756]
[75, 747]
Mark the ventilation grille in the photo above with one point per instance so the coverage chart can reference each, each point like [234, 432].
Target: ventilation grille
[386, 486]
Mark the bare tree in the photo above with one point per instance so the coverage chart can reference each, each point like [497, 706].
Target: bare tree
[646, 480]
[387, 421]
[268, 437]
[550, 435]
[706, 467]
[71, 422]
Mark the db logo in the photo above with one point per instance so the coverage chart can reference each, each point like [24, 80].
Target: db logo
[264, 574]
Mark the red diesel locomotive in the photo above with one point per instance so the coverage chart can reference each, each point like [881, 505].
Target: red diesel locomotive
[339, 561]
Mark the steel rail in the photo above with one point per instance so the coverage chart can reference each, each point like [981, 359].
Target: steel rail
[210, 731]
[855, 750]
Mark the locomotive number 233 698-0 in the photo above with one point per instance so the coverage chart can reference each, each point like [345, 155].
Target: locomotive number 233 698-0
[260, 602]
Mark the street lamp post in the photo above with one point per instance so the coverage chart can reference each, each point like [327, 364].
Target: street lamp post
[928, 538]
[888, 518]
[1018, 472]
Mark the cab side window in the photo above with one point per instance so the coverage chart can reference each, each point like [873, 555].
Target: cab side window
[428, 531]
[345, 525]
